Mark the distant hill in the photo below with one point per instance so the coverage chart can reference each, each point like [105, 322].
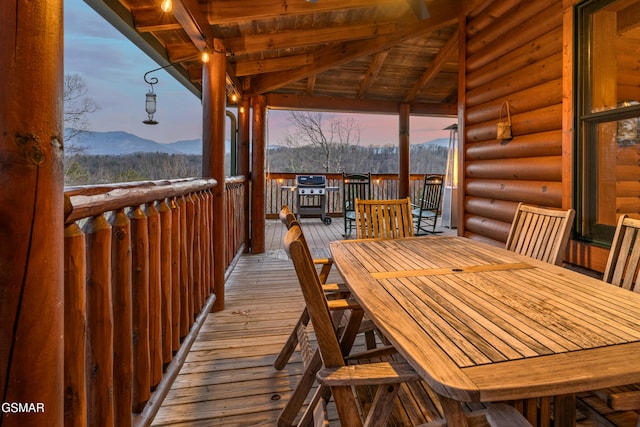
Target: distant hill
[117, 142]
[439, 142]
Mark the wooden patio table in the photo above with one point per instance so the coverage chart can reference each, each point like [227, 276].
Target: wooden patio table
[483, 324]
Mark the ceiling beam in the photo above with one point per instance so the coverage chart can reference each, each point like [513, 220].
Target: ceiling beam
[372, 72]
[301, 38]
[442, 15]
[311, 84]
[330, 103]
[449, 48]
[272, 65]
[234, 11]
[147, 20]
[194, 23]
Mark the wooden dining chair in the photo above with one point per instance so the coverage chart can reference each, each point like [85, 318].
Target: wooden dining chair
[333, 290]
[338, 378]
[541, 233]
[618, 405]
[385, 219]
[345, 323]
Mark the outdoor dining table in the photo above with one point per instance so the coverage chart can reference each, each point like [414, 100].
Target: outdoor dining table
[483, 324]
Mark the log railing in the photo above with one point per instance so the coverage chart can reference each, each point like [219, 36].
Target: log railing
[384, 186]
[138, 283]
[235, 189]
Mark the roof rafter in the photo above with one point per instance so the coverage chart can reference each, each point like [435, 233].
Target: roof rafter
[434, 68]
[442, 15]
[299, 38]
[234, 11]
[372, 72]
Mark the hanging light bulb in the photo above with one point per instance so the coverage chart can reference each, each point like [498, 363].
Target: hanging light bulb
[166, 6]
[205, 57]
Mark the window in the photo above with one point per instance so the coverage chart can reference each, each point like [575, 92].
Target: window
[608, 116]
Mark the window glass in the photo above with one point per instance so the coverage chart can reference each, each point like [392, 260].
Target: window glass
[608, 147]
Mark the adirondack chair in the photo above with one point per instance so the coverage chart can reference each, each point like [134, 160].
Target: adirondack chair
[338, 378]
[618, 405]
[386, 219]
[425, 214]
[540, 233]
[355, 186]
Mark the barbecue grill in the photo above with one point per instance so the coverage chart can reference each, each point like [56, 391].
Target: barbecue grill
[311, 200]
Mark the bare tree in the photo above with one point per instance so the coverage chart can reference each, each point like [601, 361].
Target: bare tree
[329, 139]
[76, 106]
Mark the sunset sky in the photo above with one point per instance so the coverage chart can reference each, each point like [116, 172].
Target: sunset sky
[113, 69]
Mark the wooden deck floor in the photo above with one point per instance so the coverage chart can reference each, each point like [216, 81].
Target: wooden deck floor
[228, 378]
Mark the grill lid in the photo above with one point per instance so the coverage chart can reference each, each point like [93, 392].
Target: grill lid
[311, 180]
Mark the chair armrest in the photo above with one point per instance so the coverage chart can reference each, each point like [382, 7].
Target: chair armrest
[373, 353]
[326, 264]
[368, 374]
[343, 304]
[624, 401]
[335, 287]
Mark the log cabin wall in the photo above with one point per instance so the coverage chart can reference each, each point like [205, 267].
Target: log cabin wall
[514, 54]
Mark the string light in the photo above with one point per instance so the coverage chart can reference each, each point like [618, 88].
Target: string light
[166, 6]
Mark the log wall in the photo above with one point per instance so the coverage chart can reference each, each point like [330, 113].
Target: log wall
[513, 53]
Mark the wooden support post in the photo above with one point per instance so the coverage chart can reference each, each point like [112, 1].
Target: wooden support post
[403, 164]
[214, 103]
[462, 111]
[257, 174]
[244, 138]
[31, 208]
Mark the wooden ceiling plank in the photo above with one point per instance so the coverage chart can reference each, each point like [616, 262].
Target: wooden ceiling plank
[443, 15]
[233, 11]
[272, 65]
[372, 72]
[449, 48]
[290, 39]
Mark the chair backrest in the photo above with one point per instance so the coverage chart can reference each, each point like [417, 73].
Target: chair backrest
[541, 233]
[287, 217]
[385, 219]
[431, 193]
[624, 257]
[355, 186]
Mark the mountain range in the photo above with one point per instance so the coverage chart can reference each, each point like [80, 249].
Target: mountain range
[116, 143]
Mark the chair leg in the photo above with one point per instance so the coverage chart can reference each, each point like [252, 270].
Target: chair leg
[290, 346]
[290, 411]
